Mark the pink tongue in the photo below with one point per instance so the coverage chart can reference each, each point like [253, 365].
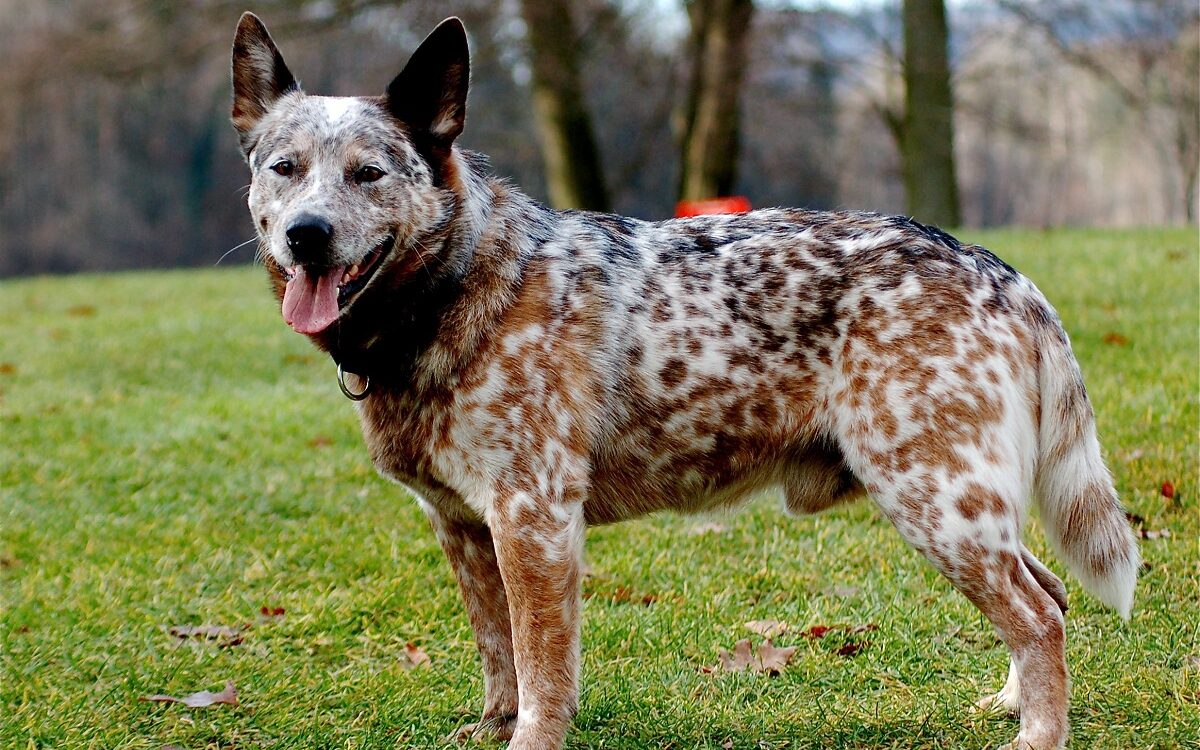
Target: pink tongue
[310, 304]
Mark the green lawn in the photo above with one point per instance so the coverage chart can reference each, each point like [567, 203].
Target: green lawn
[171, 454]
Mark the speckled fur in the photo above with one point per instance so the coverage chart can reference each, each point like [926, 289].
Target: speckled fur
[533, 372]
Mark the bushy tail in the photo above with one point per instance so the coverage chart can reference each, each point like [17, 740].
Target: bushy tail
[1084, 520]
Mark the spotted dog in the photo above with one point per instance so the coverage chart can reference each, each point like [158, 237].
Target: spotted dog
[528, 372]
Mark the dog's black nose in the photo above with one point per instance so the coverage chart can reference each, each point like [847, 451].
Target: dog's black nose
[308, 238]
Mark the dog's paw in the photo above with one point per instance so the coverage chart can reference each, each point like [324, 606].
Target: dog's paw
[1053, 741]
[1000, 703]
[498, 728]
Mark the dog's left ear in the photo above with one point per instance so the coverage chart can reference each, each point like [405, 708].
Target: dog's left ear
[430, 94]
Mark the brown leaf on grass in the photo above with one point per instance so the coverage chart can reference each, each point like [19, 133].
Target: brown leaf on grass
[769, 629]
[7, 368]
[271, 612]
[224, 636]
[8, 562]
[849, 648]
[1168, 490]
[203, 699]
[81, 311]
[774, 659]
[766, 658]
[320, 441]
[740, 659]
[1139, 527]
[416, 657]
[1115, 339]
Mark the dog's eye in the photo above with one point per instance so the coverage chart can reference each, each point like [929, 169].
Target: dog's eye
[283, 168]
[369, 173]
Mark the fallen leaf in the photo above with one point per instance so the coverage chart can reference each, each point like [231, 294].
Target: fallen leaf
[225, 636]
[816, 632]
[1115, 339]
[769, 629]
[269, 612]
[416, 657]
[7, 562]
[202, 699]
[773, 659]
[320, 441]
[845, 592]
[850, 648]
[767, 658]
[1168, 490]
[727, 744]
[738, 660]
[7, 368]
[1139, 524]
[81, 311]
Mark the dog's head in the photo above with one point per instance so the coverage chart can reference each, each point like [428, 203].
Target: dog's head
[342, 187]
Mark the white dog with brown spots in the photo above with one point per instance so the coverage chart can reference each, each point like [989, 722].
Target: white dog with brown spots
[528, 372]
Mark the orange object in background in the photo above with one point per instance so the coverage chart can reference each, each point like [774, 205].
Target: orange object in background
[734, 204]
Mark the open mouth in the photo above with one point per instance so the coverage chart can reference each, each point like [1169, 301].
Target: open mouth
[355, 278]
[315, 296]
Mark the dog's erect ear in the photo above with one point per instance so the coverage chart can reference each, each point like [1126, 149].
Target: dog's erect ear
[430, 94]
[259, 76]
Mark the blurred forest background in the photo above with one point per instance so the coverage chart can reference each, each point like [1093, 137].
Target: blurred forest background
[116, 149]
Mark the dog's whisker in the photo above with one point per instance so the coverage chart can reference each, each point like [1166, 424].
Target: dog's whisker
[236, 247]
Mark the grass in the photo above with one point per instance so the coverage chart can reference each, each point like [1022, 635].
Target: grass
[170, 454]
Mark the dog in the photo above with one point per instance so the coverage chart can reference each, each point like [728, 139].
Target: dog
[527, 372]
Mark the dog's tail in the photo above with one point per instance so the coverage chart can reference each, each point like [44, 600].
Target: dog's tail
[1084, 520]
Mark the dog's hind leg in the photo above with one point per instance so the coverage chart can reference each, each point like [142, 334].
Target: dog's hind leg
[954, 477]
[1008, 699]
[981, 557]
[472, 554]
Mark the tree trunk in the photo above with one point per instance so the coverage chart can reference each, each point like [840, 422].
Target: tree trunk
[709, 124]
[927, 146]
[572, 163]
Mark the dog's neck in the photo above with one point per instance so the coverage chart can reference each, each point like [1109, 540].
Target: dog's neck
[414, 331]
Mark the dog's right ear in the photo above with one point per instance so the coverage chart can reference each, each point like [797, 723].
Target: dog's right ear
[260, 77]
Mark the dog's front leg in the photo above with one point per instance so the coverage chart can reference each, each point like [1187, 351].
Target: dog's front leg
[539, 543]
[472, 555]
